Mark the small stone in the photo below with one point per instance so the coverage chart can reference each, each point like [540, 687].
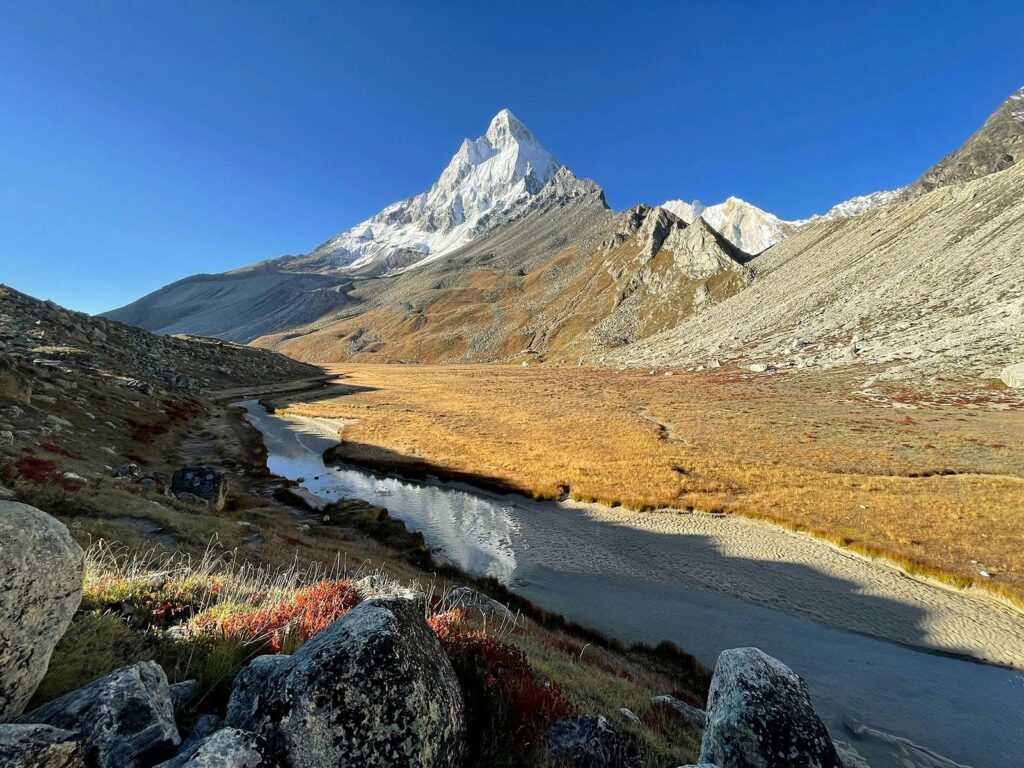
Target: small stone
[629, 715]
[692, 715]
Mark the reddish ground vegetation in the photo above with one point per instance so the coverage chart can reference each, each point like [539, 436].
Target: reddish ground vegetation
[183, 410]
[578, 652]
[144, 432]
[488, 668]
[310, 611]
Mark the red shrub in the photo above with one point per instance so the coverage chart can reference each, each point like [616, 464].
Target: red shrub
[36, 469]
[480, 659]
[143, 432]
[310, 611]
[184, 410]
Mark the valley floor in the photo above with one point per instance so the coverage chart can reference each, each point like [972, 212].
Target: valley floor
[932, 481]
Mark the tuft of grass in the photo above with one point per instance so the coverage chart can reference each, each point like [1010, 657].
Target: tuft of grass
[99, 642]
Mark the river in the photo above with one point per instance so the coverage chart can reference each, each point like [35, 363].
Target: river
[896, 705]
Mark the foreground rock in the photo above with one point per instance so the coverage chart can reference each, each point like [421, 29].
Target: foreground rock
[207, 485]
[373, 689]
[591, 742]
[127, 717]
[41, 578]
[249, 685]
[227, 748]
[40, 746]
[759, 714]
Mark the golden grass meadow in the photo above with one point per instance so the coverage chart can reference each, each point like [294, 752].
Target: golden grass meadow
[931, 481]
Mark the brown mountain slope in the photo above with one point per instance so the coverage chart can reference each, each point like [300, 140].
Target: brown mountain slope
[620, 279]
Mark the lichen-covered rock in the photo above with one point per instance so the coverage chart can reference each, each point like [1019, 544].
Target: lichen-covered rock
[373, 689]
[127, 716]
[591, 742]
[759, 715]
[41, 578]
[205, 725]
[696, 717]
[248, 686]
[227, 748]
[40, 746]
[204, 483]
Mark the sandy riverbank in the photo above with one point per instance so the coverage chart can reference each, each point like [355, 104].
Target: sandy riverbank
[799, 574]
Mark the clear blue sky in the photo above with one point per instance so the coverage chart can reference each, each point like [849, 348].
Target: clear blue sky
[141, 142]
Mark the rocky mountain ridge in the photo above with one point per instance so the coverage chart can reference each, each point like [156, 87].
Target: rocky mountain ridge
[538, 278]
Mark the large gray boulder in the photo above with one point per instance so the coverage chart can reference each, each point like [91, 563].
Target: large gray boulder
[127, 716]
[249, 684]
[373, 689]
[40, 746]
[227, 748]
[591, 742]
[41, 577]
[759, 715]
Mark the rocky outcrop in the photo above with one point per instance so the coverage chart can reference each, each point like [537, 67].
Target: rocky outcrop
[40, 746]
[373, 689]
[591, 742]
[41, 573]
[207, 485]
[227, 748]
[759, 714]
[249, 684]
[127, 717]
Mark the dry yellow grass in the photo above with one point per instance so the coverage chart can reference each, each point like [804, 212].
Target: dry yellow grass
[934, 485]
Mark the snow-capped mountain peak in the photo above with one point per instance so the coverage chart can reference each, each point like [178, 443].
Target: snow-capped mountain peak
[488, 180]
[746, 226]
